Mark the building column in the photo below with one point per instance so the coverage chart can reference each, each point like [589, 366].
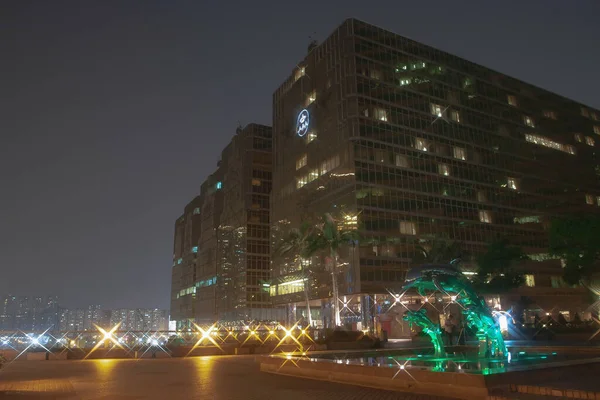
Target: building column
[367, 312]
[326, 313]
[291, 314]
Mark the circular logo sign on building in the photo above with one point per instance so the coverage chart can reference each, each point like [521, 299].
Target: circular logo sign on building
[302, 123]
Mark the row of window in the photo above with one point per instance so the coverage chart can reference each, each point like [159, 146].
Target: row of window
[546, 142]
[589, 114]
[589, 199]
[313, 174]
[588, 140]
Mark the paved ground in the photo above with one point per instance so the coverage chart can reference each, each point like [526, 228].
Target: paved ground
[214, 378]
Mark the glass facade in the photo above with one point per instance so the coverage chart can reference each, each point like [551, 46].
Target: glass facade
[425, 145]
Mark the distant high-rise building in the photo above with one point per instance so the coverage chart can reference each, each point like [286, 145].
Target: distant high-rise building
[231, 237]
[81, 319]
[26, 313]
[140, 319]
[185, 257]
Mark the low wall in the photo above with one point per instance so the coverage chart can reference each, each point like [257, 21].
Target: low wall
[463, 386]
[414, 380]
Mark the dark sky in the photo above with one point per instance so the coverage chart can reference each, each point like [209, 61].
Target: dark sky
[113, 112]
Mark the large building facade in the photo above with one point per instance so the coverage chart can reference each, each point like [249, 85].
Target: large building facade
[409, 144]
[228, 280]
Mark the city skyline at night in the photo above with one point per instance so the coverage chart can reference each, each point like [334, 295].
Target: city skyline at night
[112, 123]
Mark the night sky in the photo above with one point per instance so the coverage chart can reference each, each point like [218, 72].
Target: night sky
[113, 112]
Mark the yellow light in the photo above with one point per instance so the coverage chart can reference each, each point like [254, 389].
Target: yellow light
[252, 333]
[271, 332]
[289, 356]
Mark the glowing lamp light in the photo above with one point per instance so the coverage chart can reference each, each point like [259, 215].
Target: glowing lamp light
[35, 341]
[289, 356]
[302, 123]
[402, 367]
[453, 298]
[154, 342]
[271, 332]
[503, 322]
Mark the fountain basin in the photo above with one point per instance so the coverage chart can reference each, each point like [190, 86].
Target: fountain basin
[418, 371]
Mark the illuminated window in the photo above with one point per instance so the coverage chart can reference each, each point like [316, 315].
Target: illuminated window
[455, 116]
[196, 211]
[301, 162]
[485, 216]
[512, 183]
[512, 100]
[578, 137]
[408, 228]
[597, 129]
[436, 109]
[589, 199]
[219, 185]
[467, 82]
[310, 136]
[598, 201]
[300, 72]
[584, 112]
[529, 280]
[350, 221]
[481, 197]
[460, 153]
[311, 97]
[444, 169]
[528, 121]
[301, 181]
[594, 116]
[402, 161]
[420, 144]
[195, 249]
[256, 182]
[544, 141]
[589, 141]
[179, 261]
[405, 81]
[329, 164]
[550, 114]
[375, 74]
[380, 114]
[313, 174]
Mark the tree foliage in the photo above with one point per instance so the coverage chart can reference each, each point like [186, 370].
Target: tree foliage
[441, 251]
[496, 267]
[576, 239]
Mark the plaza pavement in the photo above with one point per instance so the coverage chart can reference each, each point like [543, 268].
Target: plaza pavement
[214, 378]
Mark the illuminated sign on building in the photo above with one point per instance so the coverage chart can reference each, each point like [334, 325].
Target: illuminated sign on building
[302, 123]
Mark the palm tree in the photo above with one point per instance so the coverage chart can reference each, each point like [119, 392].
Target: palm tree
[330, 237]
[299, 242]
